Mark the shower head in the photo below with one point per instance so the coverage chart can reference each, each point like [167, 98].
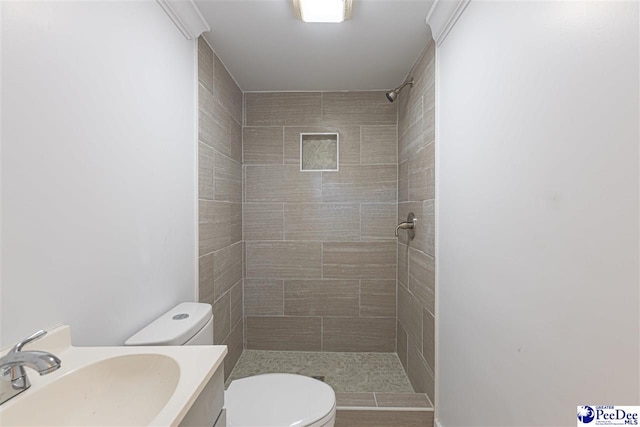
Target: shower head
[393, 94]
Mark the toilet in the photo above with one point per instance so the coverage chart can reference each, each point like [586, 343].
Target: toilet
[267, 400]
[274, 400]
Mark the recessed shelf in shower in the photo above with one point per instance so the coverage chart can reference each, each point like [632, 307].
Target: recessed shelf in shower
[319, 151]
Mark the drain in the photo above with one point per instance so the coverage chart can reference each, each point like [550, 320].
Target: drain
[318, 377]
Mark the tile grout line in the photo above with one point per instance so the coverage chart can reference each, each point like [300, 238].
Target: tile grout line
[360, 147]
[359, 298]
[360, 214]
[397, 214]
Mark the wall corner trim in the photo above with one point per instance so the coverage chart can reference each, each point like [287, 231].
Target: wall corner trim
[187, 17]
[442, 17]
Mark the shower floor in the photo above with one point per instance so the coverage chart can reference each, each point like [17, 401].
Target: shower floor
[344, 372]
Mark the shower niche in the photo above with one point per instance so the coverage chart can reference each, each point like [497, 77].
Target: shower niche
[319, 151]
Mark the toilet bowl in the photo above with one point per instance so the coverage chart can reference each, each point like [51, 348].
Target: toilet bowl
[268, 400]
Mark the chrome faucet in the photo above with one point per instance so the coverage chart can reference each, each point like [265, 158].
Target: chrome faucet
[13, 377]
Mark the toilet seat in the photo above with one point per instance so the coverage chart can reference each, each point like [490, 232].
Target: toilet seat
[280, 400]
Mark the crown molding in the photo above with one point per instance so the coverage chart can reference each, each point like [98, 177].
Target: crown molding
[442, 17]
[187, 17]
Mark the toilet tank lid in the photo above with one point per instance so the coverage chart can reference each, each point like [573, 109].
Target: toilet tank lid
[175, 327]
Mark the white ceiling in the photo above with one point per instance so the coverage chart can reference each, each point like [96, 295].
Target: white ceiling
[266, 48]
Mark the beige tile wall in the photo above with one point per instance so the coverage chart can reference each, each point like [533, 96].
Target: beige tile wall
[383, 418]
[220, 200]
[382, 400]
[416, 193]
[320, 251]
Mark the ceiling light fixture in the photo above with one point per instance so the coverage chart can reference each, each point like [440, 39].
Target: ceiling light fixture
[323, 10]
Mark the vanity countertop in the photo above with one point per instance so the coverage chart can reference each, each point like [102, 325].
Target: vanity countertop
[113, 385]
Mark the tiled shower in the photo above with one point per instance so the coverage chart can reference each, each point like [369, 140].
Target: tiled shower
[320, 247]
[307, 261]
[416, 193]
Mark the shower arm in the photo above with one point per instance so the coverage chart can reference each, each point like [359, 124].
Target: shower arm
[399, 88]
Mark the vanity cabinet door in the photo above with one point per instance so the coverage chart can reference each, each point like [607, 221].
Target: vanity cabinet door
[206, 410]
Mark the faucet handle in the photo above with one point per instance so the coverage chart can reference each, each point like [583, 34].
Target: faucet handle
[33, 337]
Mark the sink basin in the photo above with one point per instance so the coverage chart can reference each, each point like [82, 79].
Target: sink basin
[115, 386]
[128, 390]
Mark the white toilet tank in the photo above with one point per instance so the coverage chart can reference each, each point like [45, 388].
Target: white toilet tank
[189, 323]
